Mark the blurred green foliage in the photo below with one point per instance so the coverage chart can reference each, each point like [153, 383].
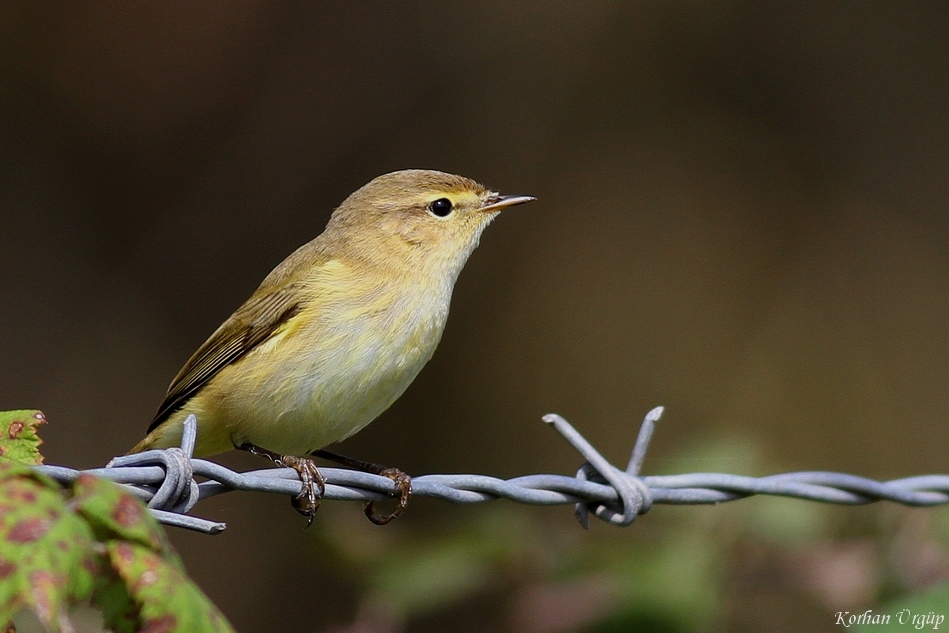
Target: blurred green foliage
[90, 543]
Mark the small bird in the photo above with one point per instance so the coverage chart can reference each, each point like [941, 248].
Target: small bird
[336, 332]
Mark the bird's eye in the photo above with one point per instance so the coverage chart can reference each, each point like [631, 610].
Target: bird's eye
[441, 207]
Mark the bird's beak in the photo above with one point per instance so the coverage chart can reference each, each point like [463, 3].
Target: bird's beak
[497, 202]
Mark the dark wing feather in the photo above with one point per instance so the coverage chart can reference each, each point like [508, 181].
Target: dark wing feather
[247, 328]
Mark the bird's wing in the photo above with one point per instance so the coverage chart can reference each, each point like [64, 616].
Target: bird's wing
[251, 325]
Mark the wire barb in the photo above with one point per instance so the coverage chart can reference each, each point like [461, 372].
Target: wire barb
[634, 497]
[165, 480]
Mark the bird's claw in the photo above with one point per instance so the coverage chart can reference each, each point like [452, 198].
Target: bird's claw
[402, 489]
[307, 502]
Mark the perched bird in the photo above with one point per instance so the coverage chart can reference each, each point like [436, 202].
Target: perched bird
[337, 331]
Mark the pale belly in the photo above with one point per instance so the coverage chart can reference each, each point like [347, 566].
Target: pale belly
[331, 382]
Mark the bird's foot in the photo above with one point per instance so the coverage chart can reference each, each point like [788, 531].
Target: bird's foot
[402, 488]
[307, 502]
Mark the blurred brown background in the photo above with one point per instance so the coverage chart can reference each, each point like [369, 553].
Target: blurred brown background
[742, 217]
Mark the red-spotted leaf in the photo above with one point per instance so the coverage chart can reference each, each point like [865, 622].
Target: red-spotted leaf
[18, 439]
[47, 561]
[115, 513]
[168, 601]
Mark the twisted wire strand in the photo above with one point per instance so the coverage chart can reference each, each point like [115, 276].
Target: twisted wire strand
[165, 480]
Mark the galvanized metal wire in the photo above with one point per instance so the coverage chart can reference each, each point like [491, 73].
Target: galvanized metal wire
[165, 479]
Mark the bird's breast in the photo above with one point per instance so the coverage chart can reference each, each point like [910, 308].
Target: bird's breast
[345, 361]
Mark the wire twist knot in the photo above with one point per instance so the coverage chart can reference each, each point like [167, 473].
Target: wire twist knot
[178, 491]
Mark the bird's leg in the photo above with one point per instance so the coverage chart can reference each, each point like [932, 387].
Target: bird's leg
[402, 488]
[308, 501]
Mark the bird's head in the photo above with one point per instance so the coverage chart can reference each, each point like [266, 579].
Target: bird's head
[417, 218]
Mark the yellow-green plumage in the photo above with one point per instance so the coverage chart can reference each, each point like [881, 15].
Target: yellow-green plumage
[338, 331]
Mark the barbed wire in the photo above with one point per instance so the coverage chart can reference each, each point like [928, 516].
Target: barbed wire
[165, 480]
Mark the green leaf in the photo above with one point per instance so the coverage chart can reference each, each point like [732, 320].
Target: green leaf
[18, 438]
[95, 542]
[119, 611]
[47, 561]
[167, 599]
[115, 513]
